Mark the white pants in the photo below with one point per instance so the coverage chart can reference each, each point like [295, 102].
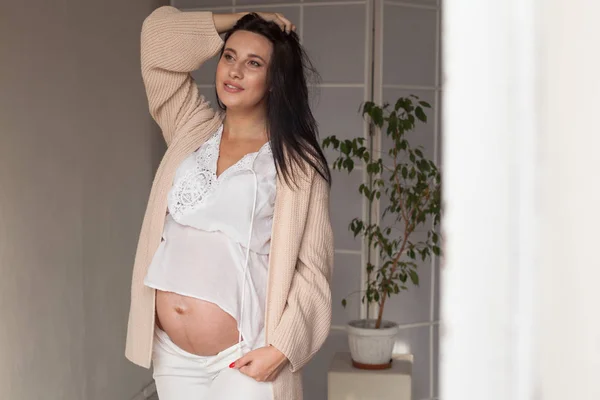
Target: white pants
[180, 375]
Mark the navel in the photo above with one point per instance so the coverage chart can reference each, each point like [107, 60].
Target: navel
[179, 310]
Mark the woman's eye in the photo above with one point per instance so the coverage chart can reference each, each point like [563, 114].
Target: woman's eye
[227, 57]
[254, 64]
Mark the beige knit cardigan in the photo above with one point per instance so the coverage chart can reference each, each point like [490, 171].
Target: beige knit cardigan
[298, 309]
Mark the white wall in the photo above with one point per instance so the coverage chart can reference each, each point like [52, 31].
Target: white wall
[520, 289]
[77, 155]
[567, 329]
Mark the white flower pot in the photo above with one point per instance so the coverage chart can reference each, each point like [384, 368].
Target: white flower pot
[371, 348]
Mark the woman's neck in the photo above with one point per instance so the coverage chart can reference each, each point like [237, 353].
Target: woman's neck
[245, 125]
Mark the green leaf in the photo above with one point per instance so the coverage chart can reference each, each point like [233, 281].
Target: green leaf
[366, 156]
[370, 169]
[399, 104]
[436, 250]
[425, 104]
[368, 107]
[335, 142]
[356, 226]
[377, 116]
[420, 114]
[344, 303]
[404, 103]
[414, 277]
[345, 148]
[392, 123]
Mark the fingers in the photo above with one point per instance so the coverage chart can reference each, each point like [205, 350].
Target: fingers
[241, 362]
[261, 364]
[284, 23]
[248, 371]
[279, 22]
[256, 375]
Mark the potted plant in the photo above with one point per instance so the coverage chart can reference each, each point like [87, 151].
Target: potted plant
[411, 184]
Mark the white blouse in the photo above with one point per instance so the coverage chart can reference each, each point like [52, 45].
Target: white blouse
[217, 236]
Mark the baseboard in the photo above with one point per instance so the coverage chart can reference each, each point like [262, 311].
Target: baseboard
[146, 392]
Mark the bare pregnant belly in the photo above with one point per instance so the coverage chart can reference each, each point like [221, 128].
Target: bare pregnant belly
[196, 326]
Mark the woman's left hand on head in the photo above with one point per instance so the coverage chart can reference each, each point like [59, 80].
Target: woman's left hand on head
[262, 364]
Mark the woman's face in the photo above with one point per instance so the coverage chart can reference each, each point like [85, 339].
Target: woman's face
[241, 77]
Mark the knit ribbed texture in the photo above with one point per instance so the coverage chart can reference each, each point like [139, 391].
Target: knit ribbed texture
[298, 310]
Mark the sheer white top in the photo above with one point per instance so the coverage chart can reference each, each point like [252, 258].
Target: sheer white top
[217, 235]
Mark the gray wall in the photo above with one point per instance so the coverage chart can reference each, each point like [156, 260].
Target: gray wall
[77, 155]
[339, 38]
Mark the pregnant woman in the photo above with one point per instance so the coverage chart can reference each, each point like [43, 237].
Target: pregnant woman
[230, 292]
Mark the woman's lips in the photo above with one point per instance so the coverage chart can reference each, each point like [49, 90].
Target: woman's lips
[231, 88]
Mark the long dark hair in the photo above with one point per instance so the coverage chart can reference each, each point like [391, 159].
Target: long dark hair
[291, 124]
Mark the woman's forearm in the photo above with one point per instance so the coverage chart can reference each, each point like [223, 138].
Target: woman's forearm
[224, 22]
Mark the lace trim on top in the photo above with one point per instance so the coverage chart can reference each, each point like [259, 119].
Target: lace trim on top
[191, 190]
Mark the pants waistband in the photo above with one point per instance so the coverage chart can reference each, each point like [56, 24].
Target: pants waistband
[167, 344]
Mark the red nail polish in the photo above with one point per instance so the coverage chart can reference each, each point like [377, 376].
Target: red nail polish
[232, 365]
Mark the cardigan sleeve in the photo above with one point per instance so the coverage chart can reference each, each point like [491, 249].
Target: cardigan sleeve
[306, 319]
[173, 44]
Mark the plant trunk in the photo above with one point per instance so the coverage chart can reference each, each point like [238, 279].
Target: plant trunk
[380, 313]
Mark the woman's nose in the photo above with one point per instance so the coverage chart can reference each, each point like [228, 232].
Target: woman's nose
[235, 72]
